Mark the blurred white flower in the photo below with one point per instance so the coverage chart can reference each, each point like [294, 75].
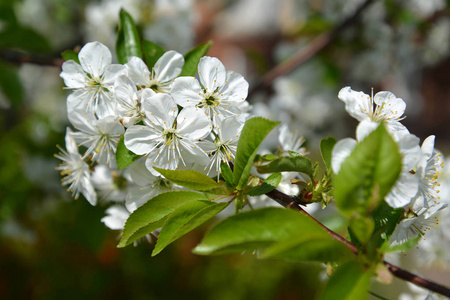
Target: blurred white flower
[75, 171]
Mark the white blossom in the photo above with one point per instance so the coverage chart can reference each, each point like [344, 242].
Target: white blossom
[115, 218]
[75, 171]
[111, 185]
[166, 139]
[383, 107]
[92, 81]
[224, 145]
[129, 100]
[160, 78]
[148, 186]
[99, 136]
[216, 91]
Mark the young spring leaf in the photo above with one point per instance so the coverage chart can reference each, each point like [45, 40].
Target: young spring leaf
[401, 247]
[227, 174]
[368, 173]
[192, 57]
[349, 282]
[124, 157]
[269, 184]
[252, 135]
[152, 52]
[184, 219]
[128, 42]
[273, 229]
[193, 180]
[150, 216]
[288, 164]
[326, 146]
[386, 218]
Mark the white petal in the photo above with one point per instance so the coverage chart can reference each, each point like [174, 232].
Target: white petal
[357, 104]
[403, 191]
[141, 139]
[235, 88]
[94, 58]
[138, 71]
[88, 191]
[340, 152]
[410, 150]
[428, 147]
[141, 175]
[71, 145]
[164, 158]
[391, 106]
[230, 128]
[116, 217]
[186, 91]
[364, 128]
[169, 66]
[78, 100]
[211, 73]
[124, 89]
[192, 153]
[138, 196]
[73, 75]
[112, 72]
[193, 123]
[83, 121]
[161, 110]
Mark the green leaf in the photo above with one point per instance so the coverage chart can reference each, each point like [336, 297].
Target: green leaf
[326, 147]
[128, 41]
[10, 84]
[152, 52]
[192, 57]
[263, 228]
[152, 213]
[368, 173]
[269, 184]
[349, 282]
[317, 246]
[252, 135]
[386, 219]
[124, 157]
[70, 54]
[362, 228]
[194, 180]
[23, 38]
[288, 164]
[227, 174]
[402, 247]
[184, 219]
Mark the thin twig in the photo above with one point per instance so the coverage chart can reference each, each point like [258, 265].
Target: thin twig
[288, 201]
[303, 55]
[19, 58]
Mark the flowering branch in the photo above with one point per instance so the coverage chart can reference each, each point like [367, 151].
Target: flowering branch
[288, 201]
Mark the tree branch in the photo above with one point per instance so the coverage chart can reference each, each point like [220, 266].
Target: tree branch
[303, 55]
[19, 58]
[288, 201]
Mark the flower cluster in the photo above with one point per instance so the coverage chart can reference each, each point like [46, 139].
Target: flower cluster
[173, 122]
[417, 189]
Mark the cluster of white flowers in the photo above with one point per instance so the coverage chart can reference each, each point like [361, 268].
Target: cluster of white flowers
[417, 189]
[174, 122]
